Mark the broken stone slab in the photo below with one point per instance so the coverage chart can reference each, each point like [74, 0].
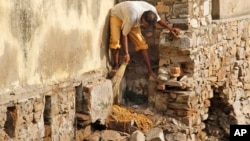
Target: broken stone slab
[83, 120]
[98, 97]
[202, 135]
[187, 120]
[181, 59]
[160, 87]
[105, 135]
[179, 106]
[183, 113]
[96, 136]
[127, 126]
[163, 61]
[137, 136]
[83, 133]
[186, 20]
[82, 117]
[161, 103]
[176, 137]
[174, 83]
[109, 135]
[155, 134]
[184, 98]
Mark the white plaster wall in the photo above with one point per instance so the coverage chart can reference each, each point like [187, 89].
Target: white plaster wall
[45, 41]
[234, 8]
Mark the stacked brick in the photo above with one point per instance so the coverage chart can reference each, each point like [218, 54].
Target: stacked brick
[201, 65]
[29, 115]
[203, 75]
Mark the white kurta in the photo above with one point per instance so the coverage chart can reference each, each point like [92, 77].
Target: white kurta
[130, 13]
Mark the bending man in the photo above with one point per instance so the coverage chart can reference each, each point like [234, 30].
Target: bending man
[125, 20]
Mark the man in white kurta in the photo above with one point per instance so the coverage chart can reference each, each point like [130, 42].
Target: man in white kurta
[125, 21]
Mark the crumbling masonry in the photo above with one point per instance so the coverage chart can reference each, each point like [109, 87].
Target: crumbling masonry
[203, 80]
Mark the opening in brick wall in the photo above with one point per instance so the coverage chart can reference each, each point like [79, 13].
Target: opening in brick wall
[47, 110]
[10, 124]
[79, 99]
[220, 116]
[47, 117]
[215, 9]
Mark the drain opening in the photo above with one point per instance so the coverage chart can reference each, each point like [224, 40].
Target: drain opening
[10, 124]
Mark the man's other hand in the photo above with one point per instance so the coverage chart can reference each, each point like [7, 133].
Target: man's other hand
[126, 58]
[175, 31]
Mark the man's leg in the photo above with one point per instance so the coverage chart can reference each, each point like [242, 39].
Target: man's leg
[115, 55]
[141, 45]
[144, 53]
[115, 31]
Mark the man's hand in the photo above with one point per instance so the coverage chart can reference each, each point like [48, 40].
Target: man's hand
[126, 58]
[175, 31]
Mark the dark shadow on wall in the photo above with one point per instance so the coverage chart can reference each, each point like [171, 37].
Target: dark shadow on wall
[221, 116]
[105, 51]
[215, 9]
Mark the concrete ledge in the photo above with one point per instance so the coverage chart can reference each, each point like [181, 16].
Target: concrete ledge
[231, 19]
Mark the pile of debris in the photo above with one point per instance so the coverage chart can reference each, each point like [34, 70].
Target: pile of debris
[125, 120]
[123, 124]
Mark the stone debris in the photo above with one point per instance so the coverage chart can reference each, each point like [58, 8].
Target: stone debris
[155, 134]
[128, 120]
[98, 98]
[203, 86]
[208, 90]
[137, 136]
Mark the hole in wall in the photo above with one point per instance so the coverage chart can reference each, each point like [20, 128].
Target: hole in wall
[47, 111]
[79, 98]
[10, 124]
[215, 9]
[47, 117]
[220, 117]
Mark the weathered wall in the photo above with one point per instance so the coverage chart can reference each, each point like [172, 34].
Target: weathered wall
[48, 49]
[43, 42]
[46, 46]
[203, 77]
[211, 89]
[223, 9]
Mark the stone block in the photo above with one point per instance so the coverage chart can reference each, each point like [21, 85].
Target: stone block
[246, 86]
[176, 136]
[38, 106]
[83, 133]
[174, 83]
[155, 134]
[183, 113]
[161, 102]
[202, 135]
[164, 61]
[170, 112]
[137, 136]
[183, 99]
[181, 59]
[99, 96]
[108, 135]
[175, 71]
[207, 103]
[160, 87]
[179, 106]
[187, 120]
[182, 26]
[204, 117]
